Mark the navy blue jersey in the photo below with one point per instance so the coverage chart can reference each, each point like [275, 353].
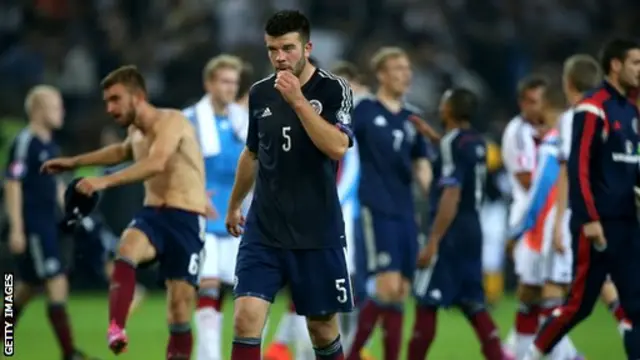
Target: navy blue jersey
[295, 203]
[603, 163]
[39, 191]
[461, 162]
[388, 144]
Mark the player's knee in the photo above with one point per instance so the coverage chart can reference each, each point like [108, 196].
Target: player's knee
[57, 288]
[405, 289]
[323, 330]
[135, 246]
[553, 290]
[389, 287]
[249, 316]
[181, 298]
[24, 293]
[469, 309]
[528, 294]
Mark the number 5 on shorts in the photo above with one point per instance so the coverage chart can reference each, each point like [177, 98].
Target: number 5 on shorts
[342, 290]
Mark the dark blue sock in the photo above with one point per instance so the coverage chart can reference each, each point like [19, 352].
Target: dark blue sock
[332, 351]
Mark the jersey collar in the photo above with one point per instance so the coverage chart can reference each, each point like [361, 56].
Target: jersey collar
[631, 96]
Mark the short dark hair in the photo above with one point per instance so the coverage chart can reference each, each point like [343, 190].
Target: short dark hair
[463, 104]
[583, 72]
[554, 98]
[615, 49]
[127, 75]
[287, 21]
[348, 71]
[246, 79]
[531, 82]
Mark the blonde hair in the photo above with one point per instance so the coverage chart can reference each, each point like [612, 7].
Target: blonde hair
[224, 61]
[384, 54]
[583, 72]
[35, 95]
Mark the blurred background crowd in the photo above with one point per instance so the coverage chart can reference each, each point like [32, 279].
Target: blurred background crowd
[486, 46]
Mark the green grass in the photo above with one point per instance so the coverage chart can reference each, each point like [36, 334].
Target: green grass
[597, 338]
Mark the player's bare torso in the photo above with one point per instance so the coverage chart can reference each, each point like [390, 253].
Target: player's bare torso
[181, 185]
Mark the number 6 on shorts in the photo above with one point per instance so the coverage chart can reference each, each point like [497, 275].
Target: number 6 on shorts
[194, 264]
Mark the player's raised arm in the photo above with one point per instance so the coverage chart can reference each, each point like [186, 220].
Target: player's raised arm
[168, 135]
[109, 155]
[332, 134]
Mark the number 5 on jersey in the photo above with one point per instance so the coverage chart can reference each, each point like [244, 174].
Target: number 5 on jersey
[286, 144]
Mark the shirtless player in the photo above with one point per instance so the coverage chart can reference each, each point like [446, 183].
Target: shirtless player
[170, 227]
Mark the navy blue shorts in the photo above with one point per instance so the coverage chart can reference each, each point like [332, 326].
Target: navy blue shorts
[318, 278]
[391, 243]
[42, 259]
[178, 237]
[456, 277]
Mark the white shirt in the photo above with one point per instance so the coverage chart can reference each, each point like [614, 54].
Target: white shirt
[565, 127]
[565, 124]
[518, 156]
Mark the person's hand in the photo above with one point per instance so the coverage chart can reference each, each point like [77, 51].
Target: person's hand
[235, 222]
[90, 185]
[58, 165]
[594, 232]
[428, 254]
[424, 128]
[558, 236]
[17, 242]
[289, 86]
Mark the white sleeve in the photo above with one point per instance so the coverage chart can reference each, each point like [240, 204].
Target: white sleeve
[565, 129]
[519, 150]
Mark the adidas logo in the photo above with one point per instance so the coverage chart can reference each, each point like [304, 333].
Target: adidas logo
[265, 113]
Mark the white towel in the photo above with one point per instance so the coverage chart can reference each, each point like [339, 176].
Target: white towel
[207, 128]
[239, 119]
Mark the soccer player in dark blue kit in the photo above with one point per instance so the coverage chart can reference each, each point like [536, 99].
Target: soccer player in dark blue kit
[299, 127]
[602, 172]
[392, 155]
[33, 202]
[451, 262]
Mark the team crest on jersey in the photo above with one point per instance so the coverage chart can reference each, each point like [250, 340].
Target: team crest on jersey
[344, 117]
[316, 105]
[629, 147]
